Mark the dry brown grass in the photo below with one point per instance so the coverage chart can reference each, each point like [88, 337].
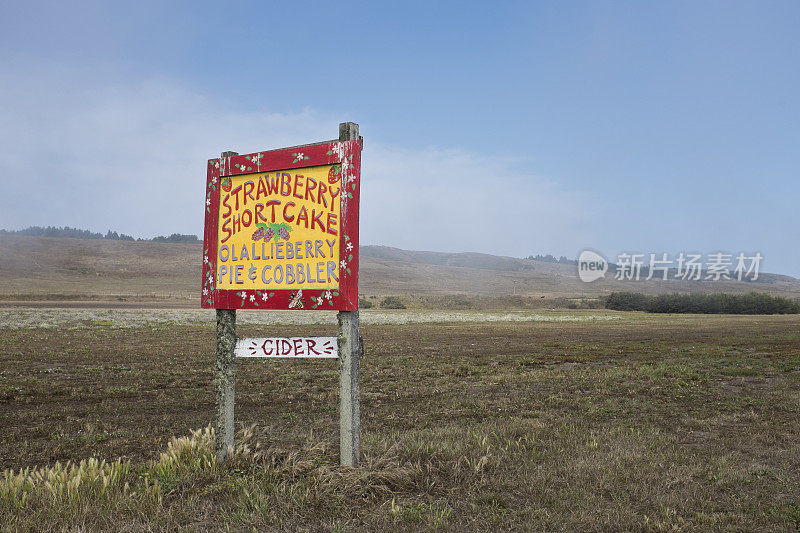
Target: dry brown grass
[645, 423]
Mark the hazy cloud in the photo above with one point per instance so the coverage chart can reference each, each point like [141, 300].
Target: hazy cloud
[132, 158]
[454, 201]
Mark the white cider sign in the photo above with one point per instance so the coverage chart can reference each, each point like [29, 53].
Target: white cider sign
[302, 347]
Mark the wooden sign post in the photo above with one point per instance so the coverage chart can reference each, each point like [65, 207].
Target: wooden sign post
[281, 232]
[350, 350]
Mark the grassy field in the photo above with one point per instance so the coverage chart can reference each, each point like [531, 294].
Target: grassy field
[576, 421]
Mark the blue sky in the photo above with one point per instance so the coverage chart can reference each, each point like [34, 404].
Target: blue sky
[550, 127]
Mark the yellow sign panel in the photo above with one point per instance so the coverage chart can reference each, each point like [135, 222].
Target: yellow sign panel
[280, 230]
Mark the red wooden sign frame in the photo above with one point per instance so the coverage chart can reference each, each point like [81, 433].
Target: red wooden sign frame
[346, 153]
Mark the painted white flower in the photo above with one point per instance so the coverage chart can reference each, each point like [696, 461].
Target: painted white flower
[205, 291]
[211, 278]
[328, 295]
[349, 246]
[299, 155]
[254, 159]
[319, 300]
[264, 296]
[208, 201]
[252, 297]
[344, 263]
[214, 179]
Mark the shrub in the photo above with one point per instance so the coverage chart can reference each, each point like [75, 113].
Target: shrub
[392, 302]
[753, 303]
[626, 301]
[363, 303]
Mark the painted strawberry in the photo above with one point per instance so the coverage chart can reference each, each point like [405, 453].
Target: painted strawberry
[270, 231]
[226, 184]
[333, 174]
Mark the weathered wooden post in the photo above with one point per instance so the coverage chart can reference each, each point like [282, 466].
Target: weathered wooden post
[225, 379]
[349, 364]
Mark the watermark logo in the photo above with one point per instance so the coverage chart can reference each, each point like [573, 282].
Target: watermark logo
[591, 266]
[717, 266]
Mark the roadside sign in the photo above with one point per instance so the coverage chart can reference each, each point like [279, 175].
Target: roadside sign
[281, 229]
[281, 232]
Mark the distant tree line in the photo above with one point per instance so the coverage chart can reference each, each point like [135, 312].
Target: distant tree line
[118, 237]
[176, 237]
[552, 259]
[753, 303]
[66, 231]
[549, 258]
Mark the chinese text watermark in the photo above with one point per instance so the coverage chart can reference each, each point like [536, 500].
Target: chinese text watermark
[717, 266]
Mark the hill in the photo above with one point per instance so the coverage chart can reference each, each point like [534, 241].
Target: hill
[44, 268]
[392, 269]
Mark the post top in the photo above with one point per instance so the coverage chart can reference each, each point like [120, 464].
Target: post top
[348, 131]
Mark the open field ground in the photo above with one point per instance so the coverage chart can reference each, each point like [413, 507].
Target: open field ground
[471, 421]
